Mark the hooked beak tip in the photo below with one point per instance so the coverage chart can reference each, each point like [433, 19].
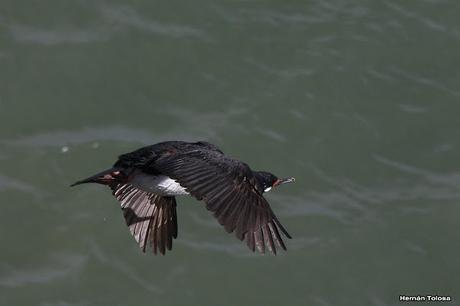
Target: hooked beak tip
[284, 181]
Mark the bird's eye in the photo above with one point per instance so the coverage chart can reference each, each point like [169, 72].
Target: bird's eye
[267, 189]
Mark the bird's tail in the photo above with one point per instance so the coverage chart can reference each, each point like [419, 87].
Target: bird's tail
[106, 177]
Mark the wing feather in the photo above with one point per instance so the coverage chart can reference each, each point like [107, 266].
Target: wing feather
[150, 217]
[230, 191]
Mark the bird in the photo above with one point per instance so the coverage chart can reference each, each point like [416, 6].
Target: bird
[146, 182]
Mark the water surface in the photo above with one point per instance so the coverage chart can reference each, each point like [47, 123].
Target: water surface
[359, 100]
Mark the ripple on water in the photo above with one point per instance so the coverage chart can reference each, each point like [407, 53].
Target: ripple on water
[425, 81]
[424, 20]
[121, 266]
[127, 16]
[237, 249]
[92, 134]
[194, 125]
[447, 180]
[328, 204]
[33, 34]
[413, 109]
[272, 134]
[60, 266]
[115, 19]
[350, 202]
[8, 183]
[64, 303]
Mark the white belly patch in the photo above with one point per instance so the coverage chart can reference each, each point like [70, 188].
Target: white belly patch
[160, 184]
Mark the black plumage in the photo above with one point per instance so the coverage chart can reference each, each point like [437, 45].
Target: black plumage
[230, 189]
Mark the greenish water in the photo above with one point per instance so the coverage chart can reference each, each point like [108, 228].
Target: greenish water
[359, 100]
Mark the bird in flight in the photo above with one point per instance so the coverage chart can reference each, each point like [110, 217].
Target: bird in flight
[147, 180]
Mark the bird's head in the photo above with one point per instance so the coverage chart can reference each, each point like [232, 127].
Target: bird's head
[269, 180]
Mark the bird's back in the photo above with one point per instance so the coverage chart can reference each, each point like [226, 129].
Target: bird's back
[147, 155]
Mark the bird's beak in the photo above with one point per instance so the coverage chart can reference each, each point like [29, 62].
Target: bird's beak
[283, 181]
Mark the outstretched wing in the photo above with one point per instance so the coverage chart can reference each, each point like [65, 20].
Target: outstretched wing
[151, 218]
[230, 191]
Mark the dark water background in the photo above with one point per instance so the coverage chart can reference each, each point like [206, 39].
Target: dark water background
[359, 100]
